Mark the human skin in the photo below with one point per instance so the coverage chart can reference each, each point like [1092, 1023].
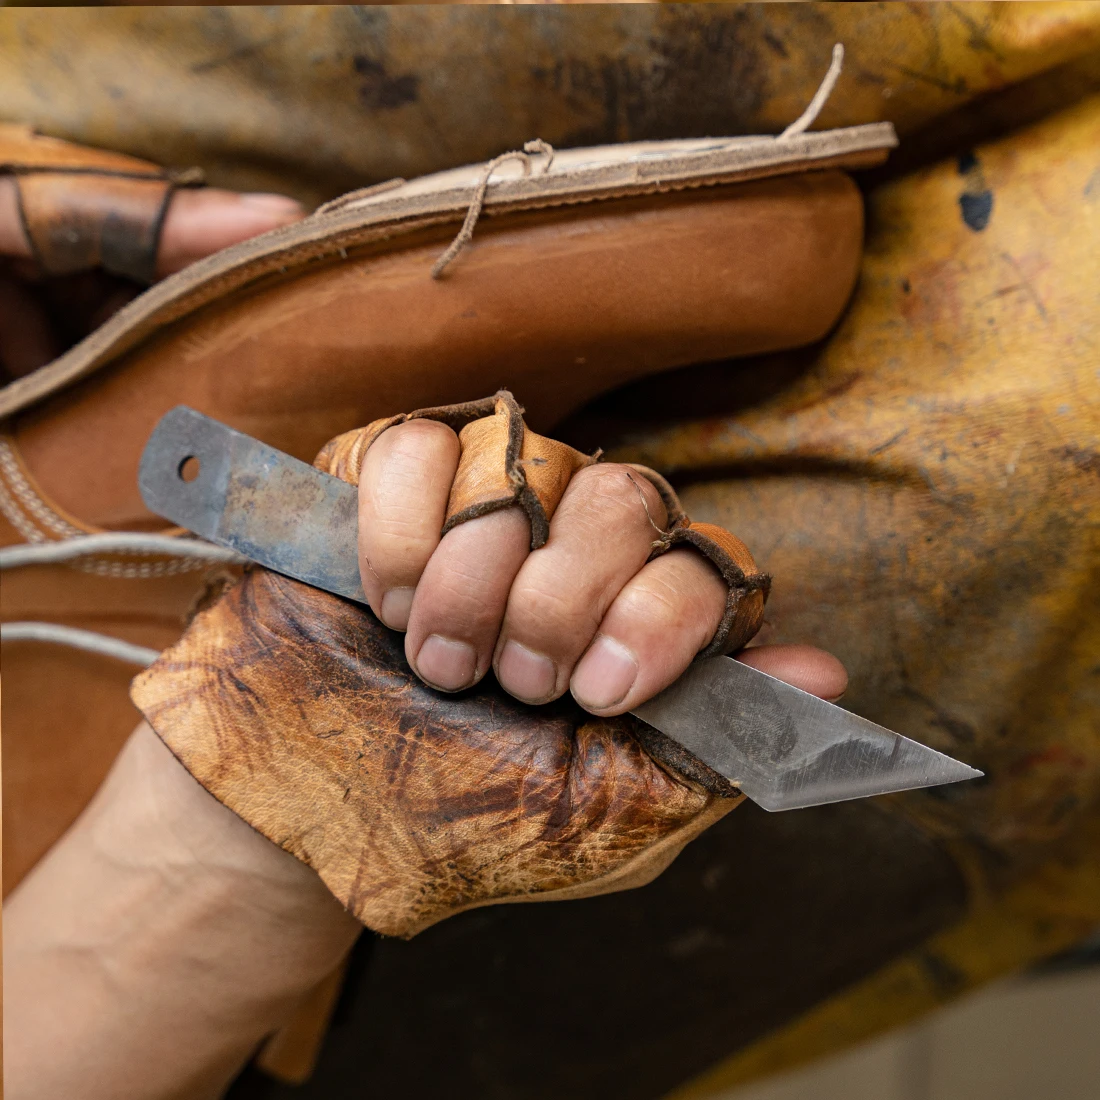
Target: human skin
[162, 938]
[198, 223]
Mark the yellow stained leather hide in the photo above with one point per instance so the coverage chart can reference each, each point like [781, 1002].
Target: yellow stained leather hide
[936, 463]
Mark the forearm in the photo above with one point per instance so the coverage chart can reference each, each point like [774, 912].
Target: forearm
[157, 943]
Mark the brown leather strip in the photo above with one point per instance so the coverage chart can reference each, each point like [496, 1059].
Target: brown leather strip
[84, 208]
[748, 588]
[76, 222]
[503, 462]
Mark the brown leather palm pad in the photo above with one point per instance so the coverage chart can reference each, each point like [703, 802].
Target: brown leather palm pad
[297, 710]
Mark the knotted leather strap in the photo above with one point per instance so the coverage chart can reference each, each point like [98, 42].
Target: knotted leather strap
[84, 208]
[503, 463]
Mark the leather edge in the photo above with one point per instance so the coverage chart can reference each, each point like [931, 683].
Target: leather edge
[315, 238]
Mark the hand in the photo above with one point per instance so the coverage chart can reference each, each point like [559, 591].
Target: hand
[586, 613]
[40, 317]
[412, 806]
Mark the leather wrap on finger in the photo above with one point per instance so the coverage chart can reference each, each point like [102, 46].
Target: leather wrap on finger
[503, 462]
[84, 208]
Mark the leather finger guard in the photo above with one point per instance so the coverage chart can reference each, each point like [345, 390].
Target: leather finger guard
[504, 463]
[84, 208]
[747, 587]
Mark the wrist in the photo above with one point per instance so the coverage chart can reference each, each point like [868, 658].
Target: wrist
[159, 941]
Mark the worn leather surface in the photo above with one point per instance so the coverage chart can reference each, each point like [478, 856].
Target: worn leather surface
[502, 462]
[297, 710]
[86, 208]
[318, 100]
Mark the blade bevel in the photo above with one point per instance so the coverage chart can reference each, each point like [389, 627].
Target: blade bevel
[787, 749]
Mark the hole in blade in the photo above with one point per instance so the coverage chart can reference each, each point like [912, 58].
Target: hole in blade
[188, 469]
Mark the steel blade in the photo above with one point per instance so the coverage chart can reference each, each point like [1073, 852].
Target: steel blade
[787, 749]
[784, 748]
[252, 498]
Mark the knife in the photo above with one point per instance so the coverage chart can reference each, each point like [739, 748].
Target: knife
[784, 748]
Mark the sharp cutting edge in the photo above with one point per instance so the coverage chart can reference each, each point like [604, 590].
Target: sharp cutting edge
[782, 747]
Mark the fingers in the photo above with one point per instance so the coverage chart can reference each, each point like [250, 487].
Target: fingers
[651, 633]
[802, 666]
[198, 222]
[461, 597]
[203, 221]
[586, 613]
[404, 486]
[600, 537]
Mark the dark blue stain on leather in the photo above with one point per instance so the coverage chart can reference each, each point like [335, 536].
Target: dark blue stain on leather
[976, 200]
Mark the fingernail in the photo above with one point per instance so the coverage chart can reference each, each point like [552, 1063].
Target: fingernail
[527, 675]
[446, 663]
[605, 674]
[280, 205]
[395, 608]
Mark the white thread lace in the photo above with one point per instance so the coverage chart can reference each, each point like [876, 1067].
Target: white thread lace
[22, 506]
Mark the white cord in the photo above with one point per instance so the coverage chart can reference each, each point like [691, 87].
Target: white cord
[11, 557]
[79, 639]
[809, 116]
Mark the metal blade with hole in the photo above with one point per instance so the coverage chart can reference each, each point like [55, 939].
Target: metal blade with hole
[784, 748]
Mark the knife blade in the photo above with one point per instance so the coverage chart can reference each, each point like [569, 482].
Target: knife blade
[784, 748]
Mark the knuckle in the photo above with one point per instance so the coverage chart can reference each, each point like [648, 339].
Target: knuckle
[409, 456]
[399, 542]
[547, 611]
[612, 491]
[679, 591]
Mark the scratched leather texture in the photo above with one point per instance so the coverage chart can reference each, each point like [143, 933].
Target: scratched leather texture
[296, 709]
[319, 100]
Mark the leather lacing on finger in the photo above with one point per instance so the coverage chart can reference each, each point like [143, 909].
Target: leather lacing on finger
[747, 587]
[503, 462]
[83, 208]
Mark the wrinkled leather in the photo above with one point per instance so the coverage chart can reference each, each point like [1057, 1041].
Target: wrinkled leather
[84, 208]
[502, 462]
[296, 709]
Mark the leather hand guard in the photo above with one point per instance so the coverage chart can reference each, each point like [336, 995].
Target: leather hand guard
[297, 710]
[84, 208]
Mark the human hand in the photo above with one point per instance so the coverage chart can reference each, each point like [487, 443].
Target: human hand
[298, 710]
[41, 315]
[588, 612]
